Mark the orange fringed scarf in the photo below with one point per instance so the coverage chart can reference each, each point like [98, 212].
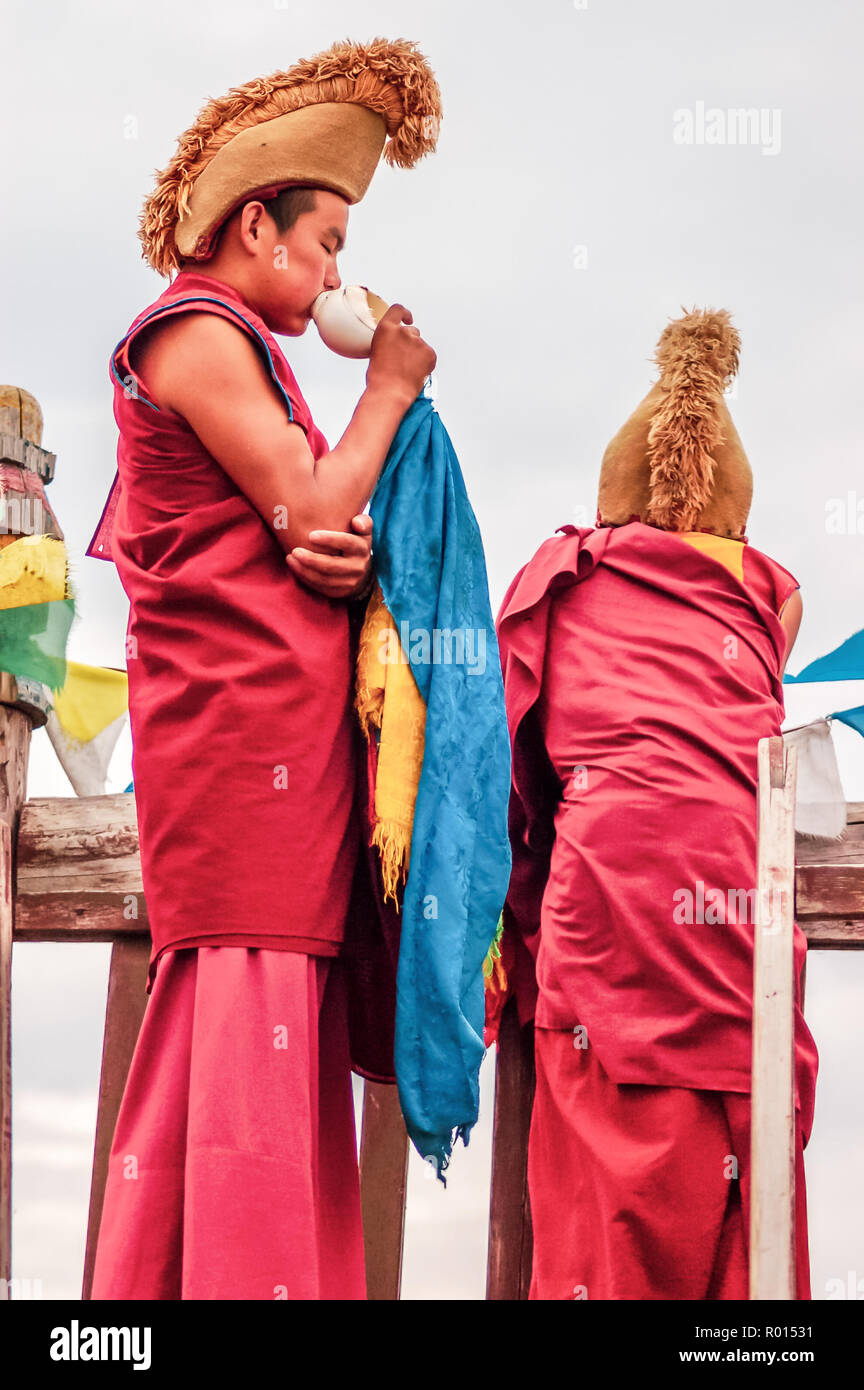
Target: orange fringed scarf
[388, 700]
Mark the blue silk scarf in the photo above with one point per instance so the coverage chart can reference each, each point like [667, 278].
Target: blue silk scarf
[432, 571]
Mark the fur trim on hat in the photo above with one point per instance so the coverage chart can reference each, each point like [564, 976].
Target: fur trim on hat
[698, 357]
[388, 75]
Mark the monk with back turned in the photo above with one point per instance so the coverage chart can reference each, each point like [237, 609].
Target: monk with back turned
[643, 661]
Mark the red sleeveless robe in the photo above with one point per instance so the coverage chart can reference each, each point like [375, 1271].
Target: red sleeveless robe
[248, 764]
[249, 785]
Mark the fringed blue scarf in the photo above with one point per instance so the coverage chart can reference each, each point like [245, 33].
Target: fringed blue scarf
[432, 571]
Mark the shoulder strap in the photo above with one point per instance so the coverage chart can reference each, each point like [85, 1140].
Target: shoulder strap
[124, 376]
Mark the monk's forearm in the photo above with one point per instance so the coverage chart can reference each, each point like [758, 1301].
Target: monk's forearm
[344, 479]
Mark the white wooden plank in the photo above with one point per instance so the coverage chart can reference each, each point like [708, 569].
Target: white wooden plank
[772, 1151]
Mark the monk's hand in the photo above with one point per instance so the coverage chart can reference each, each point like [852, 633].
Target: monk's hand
[337, 564]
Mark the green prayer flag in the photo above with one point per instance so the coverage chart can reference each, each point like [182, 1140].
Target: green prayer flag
[33, 641]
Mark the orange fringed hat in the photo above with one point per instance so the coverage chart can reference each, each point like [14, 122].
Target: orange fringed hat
[678, 462]
[322, 122]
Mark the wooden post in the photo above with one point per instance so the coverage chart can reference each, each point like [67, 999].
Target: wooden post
[510, 1234]
[127, 999]
[23, 466]
[5, 1049]
[772, 1141]
[383, 1179]
[15, 728]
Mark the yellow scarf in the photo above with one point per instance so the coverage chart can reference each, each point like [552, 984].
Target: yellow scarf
[387, 699]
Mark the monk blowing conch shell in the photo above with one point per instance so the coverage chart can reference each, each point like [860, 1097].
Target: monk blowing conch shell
[643, 661]
[241, 542]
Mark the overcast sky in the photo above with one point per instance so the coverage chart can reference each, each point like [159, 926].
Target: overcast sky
[542, 249]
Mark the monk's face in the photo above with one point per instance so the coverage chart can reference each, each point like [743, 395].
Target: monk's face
[293, 267]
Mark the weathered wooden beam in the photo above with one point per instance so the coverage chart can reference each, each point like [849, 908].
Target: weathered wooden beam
[5, 1053]
[829, 889]
[15, 733]
[21, 432]
[511, 1238]
[829, 886]
[833, 933]
[383, 1180]
[78, 870]
[772, 1123]
[27, 455]
[20, 441]
[79, 875]
[127, 999]
[20, 692]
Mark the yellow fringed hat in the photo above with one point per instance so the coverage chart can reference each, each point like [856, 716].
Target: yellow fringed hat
[323, 122]
[678, 462]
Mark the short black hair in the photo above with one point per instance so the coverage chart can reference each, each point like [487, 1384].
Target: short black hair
[288, 205]
[285, 208]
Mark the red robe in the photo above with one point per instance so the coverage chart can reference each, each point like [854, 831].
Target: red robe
[233, 1171]
[639, 677]
[640, 1192]
[249, 766]
[250, 788]
[240, 681]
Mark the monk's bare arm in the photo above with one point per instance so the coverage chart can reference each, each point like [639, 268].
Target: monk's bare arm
[791, 622]
[208, 371]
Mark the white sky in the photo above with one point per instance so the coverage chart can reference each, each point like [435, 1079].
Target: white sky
[557, 135]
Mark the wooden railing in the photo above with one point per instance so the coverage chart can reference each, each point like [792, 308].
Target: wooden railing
[77, 878]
